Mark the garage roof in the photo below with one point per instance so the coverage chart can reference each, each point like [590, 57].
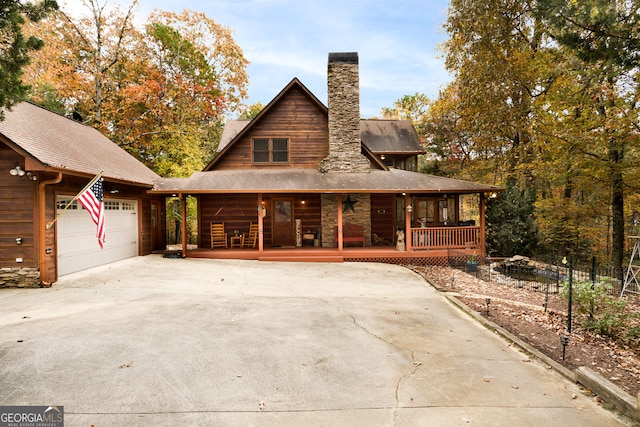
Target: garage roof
[68, 146]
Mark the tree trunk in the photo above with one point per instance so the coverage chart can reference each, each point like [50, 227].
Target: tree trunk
[617, 208]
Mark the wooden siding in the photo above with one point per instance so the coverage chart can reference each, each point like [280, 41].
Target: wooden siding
[17, 201]
[383, 217]
[295, 117]
[237, 211]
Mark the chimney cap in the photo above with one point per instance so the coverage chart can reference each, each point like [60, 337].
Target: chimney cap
[343, 57]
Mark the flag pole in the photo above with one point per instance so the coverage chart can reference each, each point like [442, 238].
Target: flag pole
[93, 181]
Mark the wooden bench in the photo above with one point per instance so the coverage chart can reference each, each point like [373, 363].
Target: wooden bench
[350, 233]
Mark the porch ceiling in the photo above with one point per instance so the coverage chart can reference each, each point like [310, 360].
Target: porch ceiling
[311, 180]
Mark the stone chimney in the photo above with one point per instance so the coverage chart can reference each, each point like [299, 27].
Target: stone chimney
[344, 116]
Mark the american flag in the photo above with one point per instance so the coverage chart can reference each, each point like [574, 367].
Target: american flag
[91, 199]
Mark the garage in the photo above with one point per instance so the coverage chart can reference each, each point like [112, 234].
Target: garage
[78, 247]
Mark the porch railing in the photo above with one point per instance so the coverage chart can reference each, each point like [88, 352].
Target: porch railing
[467, 237]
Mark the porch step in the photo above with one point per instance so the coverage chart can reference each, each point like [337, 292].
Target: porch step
[302, 258]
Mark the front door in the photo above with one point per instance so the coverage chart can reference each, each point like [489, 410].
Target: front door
[283, 224]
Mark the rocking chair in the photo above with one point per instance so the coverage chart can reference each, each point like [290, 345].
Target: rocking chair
[218, 236]
[251, 239]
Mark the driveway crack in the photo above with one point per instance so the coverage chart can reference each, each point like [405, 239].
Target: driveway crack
[416, 364]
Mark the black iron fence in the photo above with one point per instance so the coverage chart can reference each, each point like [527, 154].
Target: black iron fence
[526, 273]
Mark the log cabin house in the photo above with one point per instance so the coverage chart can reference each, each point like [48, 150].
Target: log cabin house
[45, 160]
[303, 181]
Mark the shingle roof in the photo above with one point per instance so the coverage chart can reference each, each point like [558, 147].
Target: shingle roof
[311, 180]
[66, 145]
[379, 136]
[390, 137]
[231, 129]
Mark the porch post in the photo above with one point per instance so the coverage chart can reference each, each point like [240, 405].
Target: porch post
[340, 240]
[407, 223]
[483, 239]
[260, 225]
[183, 226]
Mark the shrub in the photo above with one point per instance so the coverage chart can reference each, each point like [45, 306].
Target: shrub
[597, 310]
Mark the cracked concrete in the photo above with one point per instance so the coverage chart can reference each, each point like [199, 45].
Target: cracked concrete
[154, 341]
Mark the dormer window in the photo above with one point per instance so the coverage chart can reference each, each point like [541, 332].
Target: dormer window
[270, 150]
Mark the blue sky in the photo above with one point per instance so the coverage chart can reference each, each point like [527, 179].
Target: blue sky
[396, 41]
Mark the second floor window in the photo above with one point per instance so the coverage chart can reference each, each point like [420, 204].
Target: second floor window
[270, 150]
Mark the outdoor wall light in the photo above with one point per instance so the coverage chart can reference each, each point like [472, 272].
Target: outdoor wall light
[17, 171]
[18, 240]
[382, 157]
[32, 176]
[409, 208]
[564, 341]
[302, 202]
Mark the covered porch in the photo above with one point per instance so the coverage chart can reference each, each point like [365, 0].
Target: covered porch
[304, 215]
[294, 227]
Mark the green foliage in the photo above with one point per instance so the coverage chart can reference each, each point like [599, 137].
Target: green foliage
[511, 229]
[598, 310]
[563, 228]
[597, 30]
[15, 47]
[174, 220]
[48, 97]
[251, 111]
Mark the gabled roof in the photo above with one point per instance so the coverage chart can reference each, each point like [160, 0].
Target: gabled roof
[231, 129]
[64, 145]
[311, 180]
[241, 130]
[390, 137]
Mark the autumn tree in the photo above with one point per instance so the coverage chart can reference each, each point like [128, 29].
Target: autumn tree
[15, 47]
[604, 38]
[82, 60]
[251, 111]
[540, 101]
[164, 89]
[413, 108]
[497, 55]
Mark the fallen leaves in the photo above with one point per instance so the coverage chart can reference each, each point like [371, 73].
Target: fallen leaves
[522, 312]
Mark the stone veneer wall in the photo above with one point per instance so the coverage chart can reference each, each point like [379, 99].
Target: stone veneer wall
[344, 116]
[361, 216]
[19, 278]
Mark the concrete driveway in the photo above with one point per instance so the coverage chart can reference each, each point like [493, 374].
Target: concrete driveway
[168, 342]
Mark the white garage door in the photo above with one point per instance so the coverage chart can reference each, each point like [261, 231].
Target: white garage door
[78, 247]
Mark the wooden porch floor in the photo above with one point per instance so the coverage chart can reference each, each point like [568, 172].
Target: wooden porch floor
[385, 254]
